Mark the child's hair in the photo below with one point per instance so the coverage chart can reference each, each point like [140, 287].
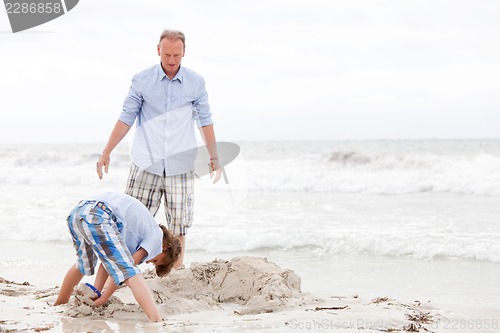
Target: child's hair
[171, 248]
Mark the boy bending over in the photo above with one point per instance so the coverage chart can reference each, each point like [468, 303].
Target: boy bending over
[122, 233]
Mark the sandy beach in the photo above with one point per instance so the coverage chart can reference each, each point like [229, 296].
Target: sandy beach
[360, 144]
[242, 294]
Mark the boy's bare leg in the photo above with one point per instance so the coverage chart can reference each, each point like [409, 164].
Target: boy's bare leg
[180, 260]
[144, 297]
[71, 279]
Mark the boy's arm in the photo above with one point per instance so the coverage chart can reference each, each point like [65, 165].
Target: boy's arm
[139, 255]
[144, 297]
[71, 279]
[100, 277]
[111, 287]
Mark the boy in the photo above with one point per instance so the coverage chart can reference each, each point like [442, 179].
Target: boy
[122, 233]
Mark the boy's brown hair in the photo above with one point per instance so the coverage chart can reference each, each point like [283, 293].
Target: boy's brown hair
[172, 249]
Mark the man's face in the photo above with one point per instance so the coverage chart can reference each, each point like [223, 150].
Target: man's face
[171, 54]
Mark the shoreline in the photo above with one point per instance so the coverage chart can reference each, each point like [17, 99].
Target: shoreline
[446, 281]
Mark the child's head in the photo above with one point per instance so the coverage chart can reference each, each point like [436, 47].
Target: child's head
[171, 251]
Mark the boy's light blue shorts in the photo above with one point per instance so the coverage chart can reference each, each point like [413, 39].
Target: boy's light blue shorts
[96, 234]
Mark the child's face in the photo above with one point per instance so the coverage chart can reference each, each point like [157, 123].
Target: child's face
[158, 260]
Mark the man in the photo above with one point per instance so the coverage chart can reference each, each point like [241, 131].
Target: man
[166, 99]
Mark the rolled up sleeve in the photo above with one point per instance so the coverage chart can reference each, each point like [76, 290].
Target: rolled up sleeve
[202, 113]
[132, 104]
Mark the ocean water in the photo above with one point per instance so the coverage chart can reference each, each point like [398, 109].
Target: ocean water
[403, 219]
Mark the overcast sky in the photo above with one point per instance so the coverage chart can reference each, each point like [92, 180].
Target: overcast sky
[275, 69]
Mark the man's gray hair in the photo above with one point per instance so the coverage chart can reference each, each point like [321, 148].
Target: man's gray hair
[173, 35]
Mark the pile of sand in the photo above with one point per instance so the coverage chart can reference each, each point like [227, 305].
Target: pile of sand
[254, 283]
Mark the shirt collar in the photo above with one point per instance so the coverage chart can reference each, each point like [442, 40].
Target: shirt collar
[179, 76]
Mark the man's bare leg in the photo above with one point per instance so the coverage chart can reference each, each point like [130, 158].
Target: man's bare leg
[180, 261]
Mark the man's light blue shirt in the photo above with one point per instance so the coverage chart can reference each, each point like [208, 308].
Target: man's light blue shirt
[166, 111]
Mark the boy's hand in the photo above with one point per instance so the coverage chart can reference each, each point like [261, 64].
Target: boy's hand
[98, 296]
[100, 301]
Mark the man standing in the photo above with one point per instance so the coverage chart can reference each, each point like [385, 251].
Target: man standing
[166, 100]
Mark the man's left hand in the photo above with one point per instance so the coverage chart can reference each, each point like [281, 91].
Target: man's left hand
[215, 166]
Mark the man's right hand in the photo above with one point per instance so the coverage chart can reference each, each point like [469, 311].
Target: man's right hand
[103, 162]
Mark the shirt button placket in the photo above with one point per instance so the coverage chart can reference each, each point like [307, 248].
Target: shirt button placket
[169, 93]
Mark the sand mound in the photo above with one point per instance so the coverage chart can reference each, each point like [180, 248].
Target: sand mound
[254, 283]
